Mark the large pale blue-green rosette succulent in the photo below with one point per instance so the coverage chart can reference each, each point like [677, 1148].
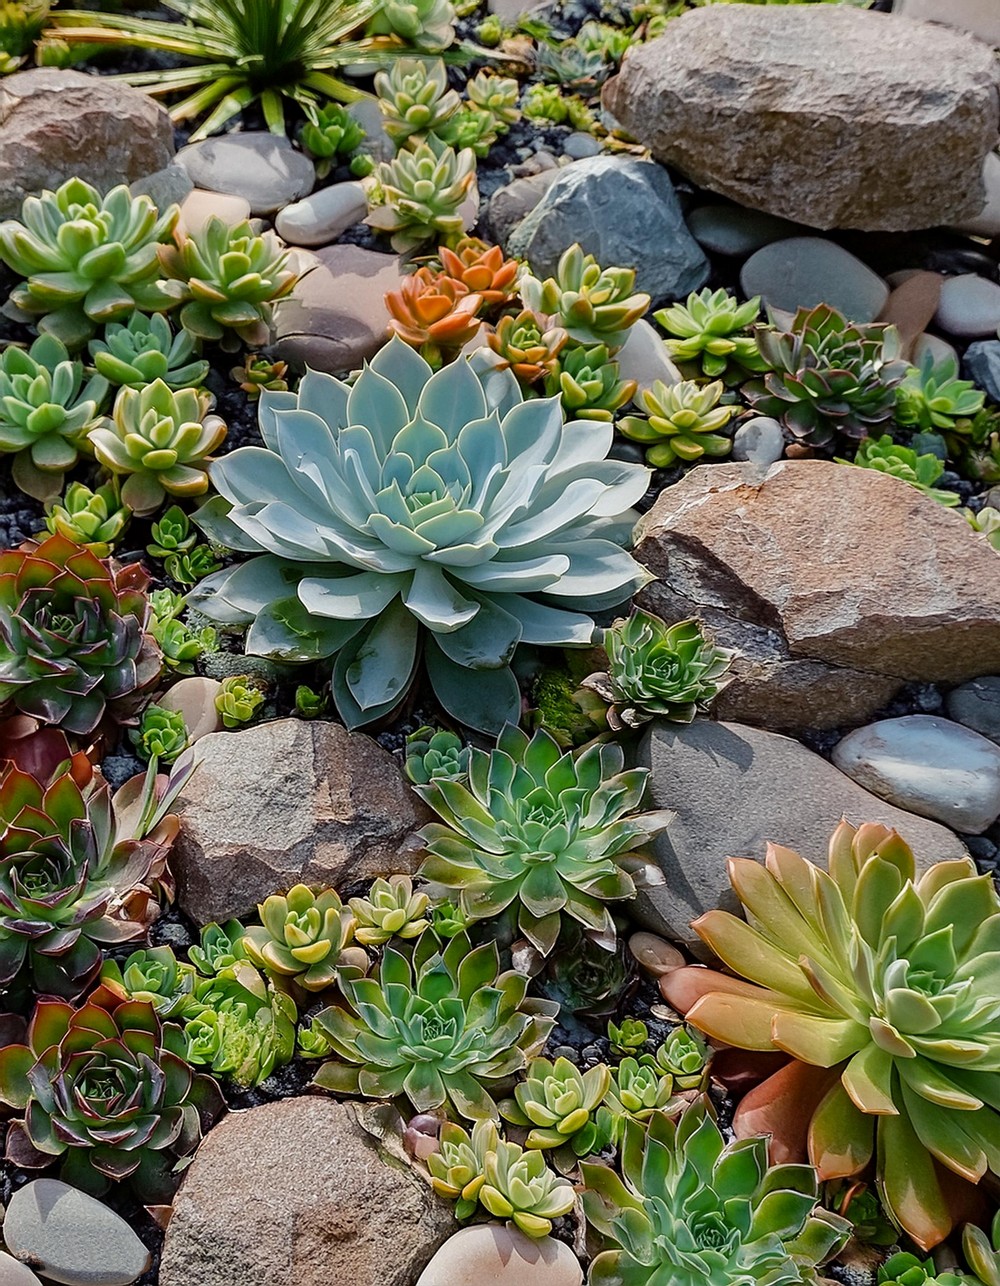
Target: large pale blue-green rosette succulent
[420, 515]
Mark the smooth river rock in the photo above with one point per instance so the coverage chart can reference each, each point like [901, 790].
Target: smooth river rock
[976, 704]
[322, 216]
[825, 114]
[835, 583]
[258, 165]
[734, 789]
[14, 1273]
[490, 1255]
[285, 802]
[929, 766]
[72, 1238]
[297, 1193]
[804, 271]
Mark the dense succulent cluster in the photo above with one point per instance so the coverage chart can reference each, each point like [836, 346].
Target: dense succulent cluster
[711, 335]
[594, 305]
[541, 830]
[883, 978]
[437, 560]
[920, 471]
[690, 1209]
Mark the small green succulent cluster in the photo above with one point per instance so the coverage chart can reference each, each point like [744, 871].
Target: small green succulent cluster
[828, 378]
[144, 349]
[557, 1104]
[94, 519]
[986, 522]
[683, 422]
[540, 830]
[417, 104]
[442, 1027]
[329, 134]
[690, 1208]
[483, 1169]
[628, 1036]
[176, 543]
[239, 699]
[87, 259]
[658, 671]
[934, 400]
[549, 103]
[587, 381]
[391, 910]
[181, 646]
[431, 753]
[21, 24]
[161, 735]
[655, 1082]
[919, 471]
[48, 408]
[904, 1269]
[427, 25]
[569, 64]
[304, 939]
[712, 336]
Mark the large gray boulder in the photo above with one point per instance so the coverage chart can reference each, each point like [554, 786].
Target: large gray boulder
[734, 789]
[832, 116]
[288, 801]
[626, 214]
[55, 125]
[297, 1193]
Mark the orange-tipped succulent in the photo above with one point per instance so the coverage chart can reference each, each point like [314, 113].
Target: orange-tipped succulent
[530, 351]
[482, 269]
[433, 313]
[883, 988]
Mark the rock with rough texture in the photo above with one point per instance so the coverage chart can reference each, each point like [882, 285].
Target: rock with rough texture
[977, 705]
[835, 583]
[626, 214]
[298, 1193]
[490, 1255]
[926, 765]
[805, 271]
[982, 364]
[14, 1273]
[258, 165]
[285, 802]
[337, 318]
[987, 222]
[761, 441]
[55, 125]
[320, 218]
[969, 305]
[72, 1238]
[824, 114]
[981, 17]
[734, 789]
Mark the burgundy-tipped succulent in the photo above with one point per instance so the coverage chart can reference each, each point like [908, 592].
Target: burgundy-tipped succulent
[73, 642]
[105, 1088]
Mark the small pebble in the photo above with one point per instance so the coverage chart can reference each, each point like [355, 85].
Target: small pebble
[805, 271]
[491, 1255]
[199, 206]
[970, 305]
[982, 364]
[760, 440]
[260, 166]
[194, 698]
[321, 217]
[71, 1237]
[580, 145]
[655, 954]
[732, 230]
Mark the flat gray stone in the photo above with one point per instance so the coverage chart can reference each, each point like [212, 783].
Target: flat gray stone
[804, 271]
[734, 789]
[285, 802]
[929, 766]
[297, 1193]
[825, 114]
[513, 202]
[626, 214]
[322, 216]
[260, 166]
[982, 364]
[376, 142]
[735, 231]
[970, 305]
[492, 1255]
[579, 146]
[72, 1238]
[760, 441]
[56, 125]
[14, 1273]
[168, 186]
[976, 704]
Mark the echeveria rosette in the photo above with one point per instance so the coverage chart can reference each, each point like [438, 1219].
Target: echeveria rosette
[146, 349]
[932, 398]
[160, 441]
[442, 1028]
[828, 377]
[709, 336]
[594, 305]
[417, 515]
[304, 936]
[555, 1104]
[886, 989]
[391, 910]
[72, 881]
[46, 410]
[73, 641]
[690, 1209]
[106, 1089]
[88, 259]
[658, 671]
[542, 829]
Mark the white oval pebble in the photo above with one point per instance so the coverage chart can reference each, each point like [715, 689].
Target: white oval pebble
[970, 305]
[491, 1255]
[72, 1238]
[321, 217]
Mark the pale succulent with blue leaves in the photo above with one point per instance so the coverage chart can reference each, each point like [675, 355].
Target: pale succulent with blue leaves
[419, 515]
